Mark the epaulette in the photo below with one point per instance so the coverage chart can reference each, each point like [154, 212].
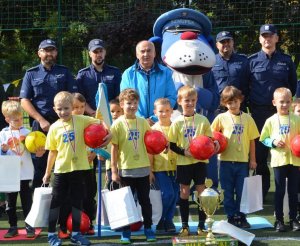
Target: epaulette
[33, 68]
[253, 55]
[84, 69]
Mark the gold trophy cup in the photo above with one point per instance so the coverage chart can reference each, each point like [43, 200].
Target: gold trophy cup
[209, 201]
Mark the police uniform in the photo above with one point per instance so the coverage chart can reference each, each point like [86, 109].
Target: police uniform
[232, 72]
[40, 86]
[88, 79]
[266, 75]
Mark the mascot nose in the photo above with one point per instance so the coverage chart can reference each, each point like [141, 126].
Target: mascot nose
[188, 36]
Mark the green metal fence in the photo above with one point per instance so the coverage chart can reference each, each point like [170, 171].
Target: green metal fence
[122, 23]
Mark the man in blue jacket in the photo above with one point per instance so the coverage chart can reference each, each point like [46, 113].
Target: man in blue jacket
[150, 79]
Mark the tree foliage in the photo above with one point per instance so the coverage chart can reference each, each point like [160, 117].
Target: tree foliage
[24, 23]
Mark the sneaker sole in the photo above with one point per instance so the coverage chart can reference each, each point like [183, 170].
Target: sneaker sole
[125, 242]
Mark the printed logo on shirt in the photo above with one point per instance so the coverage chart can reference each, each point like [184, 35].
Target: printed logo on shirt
[238, 129]
[133, 134]
[58, 76]
[189, 132]
[68, 136]
[109, 77]
[281, 63]
[284, 129]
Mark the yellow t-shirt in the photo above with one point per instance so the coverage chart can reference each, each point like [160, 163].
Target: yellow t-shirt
[183, 128]
[128, 137]
[57, 139]
[239, 130]
[164, 161]
[282, 128]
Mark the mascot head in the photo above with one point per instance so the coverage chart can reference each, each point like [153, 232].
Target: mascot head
[187, 44]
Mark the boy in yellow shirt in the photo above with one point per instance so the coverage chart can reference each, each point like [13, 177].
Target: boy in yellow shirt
[164, 168]
[276, 134]
[130, 163]
[65, 142]
[182, 131]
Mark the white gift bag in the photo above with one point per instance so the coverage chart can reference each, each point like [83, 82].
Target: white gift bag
[10, 171]
[156, 202]
[252, 200]
[39, 212]
[120, 207]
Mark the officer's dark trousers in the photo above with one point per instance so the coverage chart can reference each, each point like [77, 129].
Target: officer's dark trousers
[260, 114]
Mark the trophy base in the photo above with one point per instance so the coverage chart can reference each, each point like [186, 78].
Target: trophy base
[221, 240]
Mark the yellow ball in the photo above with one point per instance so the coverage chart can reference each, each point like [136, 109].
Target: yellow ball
[35, 140]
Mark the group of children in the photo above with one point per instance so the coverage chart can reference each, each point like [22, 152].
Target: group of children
[173, 170]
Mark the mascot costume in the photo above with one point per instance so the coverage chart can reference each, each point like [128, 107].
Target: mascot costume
[187, 48]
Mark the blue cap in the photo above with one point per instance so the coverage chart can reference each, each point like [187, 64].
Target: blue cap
[223, 35]
[95, 44]
[267, 28]
[47, 43]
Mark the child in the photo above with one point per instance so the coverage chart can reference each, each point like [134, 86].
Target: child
[11, 138]
[240, 130]
[129, 151]
[65, 144]
[296, 110]
[182, 131]
[116, 111]
[276, 134]
[164, 168]
[89, 203]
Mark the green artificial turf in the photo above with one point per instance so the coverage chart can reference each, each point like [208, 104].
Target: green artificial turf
[263, 236]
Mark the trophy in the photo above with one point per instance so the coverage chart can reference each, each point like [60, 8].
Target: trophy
[209, 201]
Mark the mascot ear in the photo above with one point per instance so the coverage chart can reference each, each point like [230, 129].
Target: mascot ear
[156, 39]
[205, 98]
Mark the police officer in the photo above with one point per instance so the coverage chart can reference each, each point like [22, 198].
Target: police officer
[98, 72]
[231, 68]
[269, 70]
[40, 84]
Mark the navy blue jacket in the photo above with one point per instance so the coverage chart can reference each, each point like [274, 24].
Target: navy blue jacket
[234, 71]
[41, 85]
[268, 74]
[88, 79]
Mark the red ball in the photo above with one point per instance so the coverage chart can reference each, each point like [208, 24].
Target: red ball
[155, 142]
[295, 145]
[84, 224]
[94, 134]
[136, 226]
[202, 147]
[222, 141]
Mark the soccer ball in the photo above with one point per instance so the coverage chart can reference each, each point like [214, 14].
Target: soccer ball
[94, 134]
[136, 226]
[35, 140]
[295, 145]
[155, 142]
[202, 147]
[84, 223]
[222, 141]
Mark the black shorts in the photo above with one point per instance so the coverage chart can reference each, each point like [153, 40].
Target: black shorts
[195, 172]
